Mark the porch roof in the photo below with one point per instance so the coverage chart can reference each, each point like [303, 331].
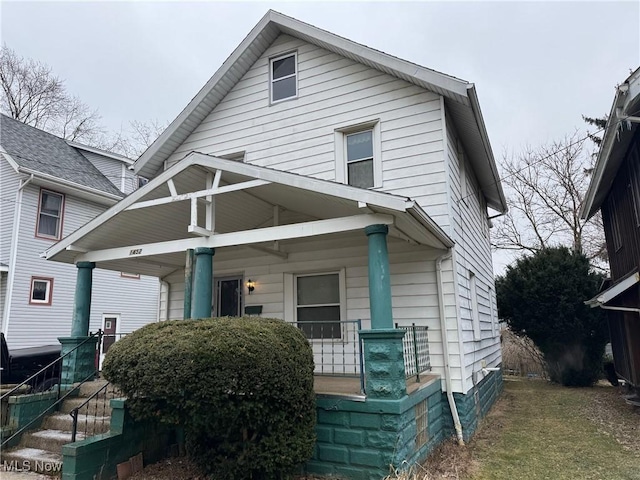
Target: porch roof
[205, 201]
[614, 291]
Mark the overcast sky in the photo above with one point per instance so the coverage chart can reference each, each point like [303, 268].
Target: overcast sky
[537, 66]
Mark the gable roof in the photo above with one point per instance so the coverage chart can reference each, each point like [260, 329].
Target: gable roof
[156, 214]
[460, 96]
[36, 151]
[618, 134]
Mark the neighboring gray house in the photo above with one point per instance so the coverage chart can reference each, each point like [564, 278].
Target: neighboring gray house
[48, 189]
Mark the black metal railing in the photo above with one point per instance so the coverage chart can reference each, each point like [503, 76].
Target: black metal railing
[337, 348]
[54, 385]
[93, 416]
[415, 345]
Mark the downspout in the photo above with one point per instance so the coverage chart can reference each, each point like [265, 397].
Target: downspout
[13, 256]
[445, 348]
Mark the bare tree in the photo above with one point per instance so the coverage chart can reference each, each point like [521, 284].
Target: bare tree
[134, 140]
[545, 190]
[32, 94]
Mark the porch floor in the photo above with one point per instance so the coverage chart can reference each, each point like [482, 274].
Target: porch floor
[336, 385]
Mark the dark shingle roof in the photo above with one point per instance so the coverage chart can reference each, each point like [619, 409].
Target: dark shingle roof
[42, 152]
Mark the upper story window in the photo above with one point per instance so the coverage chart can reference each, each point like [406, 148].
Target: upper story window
[616, 236]
[284, 77]
[358, 156]
[50, 211]
[41, 289]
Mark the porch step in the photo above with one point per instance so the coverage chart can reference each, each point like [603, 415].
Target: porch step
[51, 440]
[91, 424]
[97, 406]
[32, 460]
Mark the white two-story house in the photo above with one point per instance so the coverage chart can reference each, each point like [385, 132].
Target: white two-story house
[48, 189]
[276, 170]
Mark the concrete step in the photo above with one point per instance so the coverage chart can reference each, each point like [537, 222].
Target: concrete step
[89, 388]
[88, 424]
[50, 440]
[23, 459]
[95, 406]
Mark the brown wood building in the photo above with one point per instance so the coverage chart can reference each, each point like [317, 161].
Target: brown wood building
[615, 191]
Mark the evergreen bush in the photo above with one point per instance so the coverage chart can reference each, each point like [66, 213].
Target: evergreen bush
[242, 388]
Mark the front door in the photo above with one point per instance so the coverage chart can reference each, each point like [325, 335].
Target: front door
[227, 297]
[110, 329]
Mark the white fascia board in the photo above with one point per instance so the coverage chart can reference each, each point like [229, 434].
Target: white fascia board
[437, 79]
[195, 102]
[81, 190]
[98, 151]
[117, 208]
[9, 159]
[423, 218]
[246, 237]
[625, 94]
[612, 292]
[347, 192]
[477, 113]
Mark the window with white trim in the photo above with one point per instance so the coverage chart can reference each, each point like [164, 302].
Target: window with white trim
[317, 305]
[283, 75]
[616, 236]
[50, 211]
[358, 155]
[41, 291]
[634, 178]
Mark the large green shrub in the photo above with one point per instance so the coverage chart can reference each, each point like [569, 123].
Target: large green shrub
[241, 387]
[543, 297]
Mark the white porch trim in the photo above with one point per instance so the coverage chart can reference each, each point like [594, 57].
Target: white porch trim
[246, 237]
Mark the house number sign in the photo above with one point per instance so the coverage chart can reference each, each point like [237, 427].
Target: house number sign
[135, 251]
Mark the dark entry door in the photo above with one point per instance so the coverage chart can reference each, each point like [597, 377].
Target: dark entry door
[228, 297]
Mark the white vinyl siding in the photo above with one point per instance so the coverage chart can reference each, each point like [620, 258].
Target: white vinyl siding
[480, 341]
[333, 93]
[9, 181]
[136, 301]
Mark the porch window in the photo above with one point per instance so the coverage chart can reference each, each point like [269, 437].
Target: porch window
[284, 81]
[318, 305]
[41, 289]
[50, 210]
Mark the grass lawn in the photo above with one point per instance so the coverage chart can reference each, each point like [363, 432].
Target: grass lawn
[543, 431]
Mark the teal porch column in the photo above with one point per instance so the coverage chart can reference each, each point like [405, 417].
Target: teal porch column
[383, 352]
[78, 350]
[202, 283]
[379, 282]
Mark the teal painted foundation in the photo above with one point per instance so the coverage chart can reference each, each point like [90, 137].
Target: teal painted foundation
[24, 408]
[97, 457]
[80, 364]
[384, 360]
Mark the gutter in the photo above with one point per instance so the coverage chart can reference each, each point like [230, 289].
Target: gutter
[93, 193]
[445, 347]
[13, 255]
[413, 209]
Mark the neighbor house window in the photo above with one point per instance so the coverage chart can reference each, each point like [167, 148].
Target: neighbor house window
[142, 181]
[130, 275]
[358, 157]
[634, 178]
[284, 78]
[41, 291]
[616, 236]
[50, 211]
[317, 302]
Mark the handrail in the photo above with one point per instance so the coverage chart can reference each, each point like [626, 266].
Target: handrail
[59, 399]
[59, 359]
[74, 412]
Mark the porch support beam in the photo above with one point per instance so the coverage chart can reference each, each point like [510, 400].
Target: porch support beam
[82, 301]
[245, 237]
[202, 283]
[199, 194]
[379, 278]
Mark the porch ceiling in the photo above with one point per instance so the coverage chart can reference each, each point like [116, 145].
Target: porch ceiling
[253, 201]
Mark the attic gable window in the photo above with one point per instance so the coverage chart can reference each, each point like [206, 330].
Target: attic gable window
[50, 211]
[284, 77]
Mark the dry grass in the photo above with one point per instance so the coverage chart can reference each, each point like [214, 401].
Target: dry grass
[535, 431]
